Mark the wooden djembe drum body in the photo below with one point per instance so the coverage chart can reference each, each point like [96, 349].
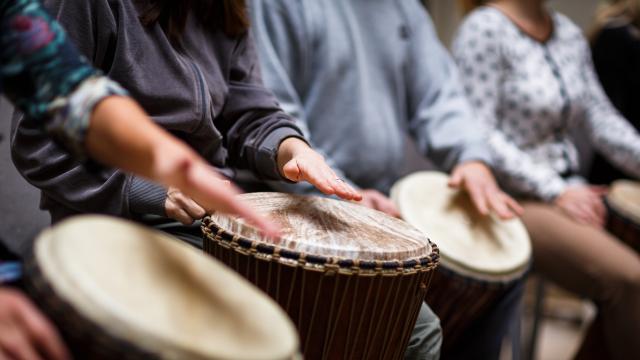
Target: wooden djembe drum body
[117, 290]
[352, 279]
[482, 258]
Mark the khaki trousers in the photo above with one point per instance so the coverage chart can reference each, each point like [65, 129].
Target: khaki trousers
[593, 264]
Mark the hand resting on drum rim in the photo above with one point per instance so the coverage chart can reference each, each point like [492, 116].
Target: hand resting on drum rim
[296, 162]
[476, 178]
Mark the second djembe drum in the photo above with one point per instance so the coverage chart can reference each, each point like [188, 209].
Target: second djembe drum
[482, 258]
[623, 220]
[351, 278]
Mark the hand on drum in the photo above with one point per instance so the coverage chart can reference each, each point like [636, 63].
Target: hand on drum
[25, 334]
[376, 200]
[476, 178]
[202, 189]
[297, 161]
[584, 204]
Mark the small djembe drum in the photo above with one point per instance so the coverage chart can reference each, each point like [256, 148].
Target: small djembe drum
[351, 278]
[623, 204]
[117, 290]
[481, 257]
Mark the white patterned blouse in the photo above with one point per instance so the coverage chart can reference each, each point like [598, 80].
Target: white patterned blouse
[531, 94]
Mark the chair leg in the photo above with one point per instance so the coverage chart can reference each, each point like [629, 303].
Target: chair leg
[537, 318]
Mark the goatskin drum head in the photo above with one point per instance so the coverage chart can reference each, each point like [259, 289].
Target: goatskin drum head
[159, 293]
[331, 228]
[624, 197]
[466, 239]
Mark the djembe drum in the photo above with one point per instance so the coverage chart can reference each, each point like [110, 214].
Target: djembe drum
[117, 290]
[351, 278]
[481, 257]
[623, 204]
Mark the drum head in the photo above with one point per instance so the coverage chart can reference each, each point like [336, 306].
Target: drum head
[467, 240]
[330, 228]
[624, 197]
[160, 294]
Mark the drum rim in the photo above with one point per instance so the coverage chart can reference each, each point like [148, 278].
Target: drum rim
[37, 285]
[214, 232]
[154, 344]
[474, 271]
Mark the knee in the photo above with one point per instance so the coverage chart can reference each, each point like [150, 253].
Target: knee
[426, 338]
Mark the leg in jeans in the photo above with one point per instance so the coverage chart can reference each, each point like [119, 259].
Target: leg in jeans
[426, 338]
[483, 339]
[594, 264]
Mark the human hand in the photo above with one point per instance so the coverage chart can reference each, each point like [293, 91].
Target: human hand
[202, 189]
[376, 200]
[476, 178]
[583, 203]
[182, 208]
[25, 334]
[299, 162]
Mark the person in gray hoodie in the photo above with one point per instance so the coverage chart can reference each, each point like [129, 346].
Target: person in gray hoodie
[194, 70]
[361, 75]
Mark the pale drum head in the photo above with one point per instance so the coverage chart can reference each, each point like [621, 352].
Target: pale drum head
[477, 246]
[330, 228]
[160, 294]
[624, 197]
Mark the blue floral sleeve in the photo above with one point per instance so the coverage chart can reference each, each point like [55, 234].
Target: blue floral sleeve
[44, 75]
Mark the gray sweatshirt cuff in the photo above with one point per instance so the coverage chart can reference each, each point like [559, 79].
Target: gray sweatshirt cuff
[266, 159]
[146, 197]
[477, 152]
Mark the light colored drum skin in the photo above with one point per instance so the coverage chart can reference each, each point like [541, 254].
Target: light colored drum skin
[480, 256]
[623, 218]
[352, 279]
[117, 290]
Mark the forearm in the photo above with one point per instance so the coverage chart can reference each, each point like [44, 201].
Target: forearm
[121, 135]
[520, 174]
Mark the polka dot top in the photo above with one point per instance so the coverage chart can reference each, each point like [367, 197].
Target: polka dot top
[531, 94]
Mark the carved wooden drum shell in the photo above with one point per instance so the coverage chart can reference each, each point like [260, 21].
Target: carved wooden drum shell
[352, 279]
[481, 257]
[117, 290]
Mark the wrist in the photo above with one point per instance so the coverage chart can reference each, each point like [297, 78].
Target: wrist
[289, 148]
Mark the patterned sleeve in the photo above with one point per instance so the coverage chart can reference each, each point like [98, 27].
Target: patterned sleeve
[611, 134]
[10, 271]
[478, 54]
[44, 75]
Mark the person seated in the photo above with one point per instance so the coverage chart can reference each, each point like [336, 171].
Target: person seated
[529, 73]
[198, 79]
[359, 77]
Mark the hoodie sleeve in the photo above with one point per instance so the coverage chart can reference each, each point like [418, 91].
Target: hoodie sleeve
[284, 46]
[253, 122]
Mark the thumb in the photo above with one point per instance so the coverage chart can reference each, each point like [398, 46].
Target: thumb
[455, 181]
[292, 171]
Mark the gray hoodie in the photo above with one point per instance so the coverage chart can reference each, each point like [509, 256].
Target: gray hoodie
[207, 91]
[359, 75]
